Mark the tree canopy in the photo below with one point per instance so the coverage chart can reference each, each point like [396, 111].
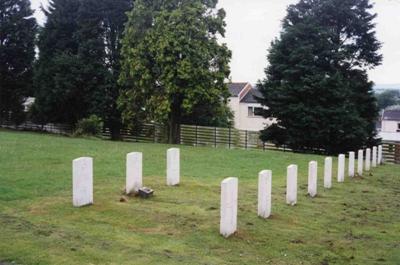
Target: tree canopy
[172, 61]
[17, 53]
[388, 98]
[79, 61]
[316, 83]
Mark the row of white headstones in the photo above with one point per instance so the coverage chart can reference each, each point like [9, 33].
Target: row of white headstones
[82, 175]
[229, 186]
[82, 179]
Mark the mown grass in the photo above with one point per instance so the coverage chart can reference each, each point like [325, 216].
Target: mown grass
[356, 222]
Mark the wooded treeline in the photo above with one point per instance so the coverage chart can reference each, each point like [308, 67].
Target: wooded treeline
[132, 62]
[127, 62]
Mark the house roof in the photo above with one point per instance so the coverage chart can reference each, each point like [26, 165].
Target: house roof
[236, 88]
[392, 113]
[251, 96]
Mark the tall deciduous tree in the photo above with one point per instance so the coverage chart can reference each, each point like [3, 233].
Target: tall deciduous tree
[172, 61]
[17, 53]
[316, 83]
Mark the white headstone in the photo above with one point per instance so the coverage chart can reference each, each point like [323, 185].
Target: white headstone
[173, 167]
[328, 173]
[374, 156]
[312, 178]
[351, 164]
[264, 193]
[367, 159]
[360, 160]
[341, 166]
[82, 181]
[133, 172]
[380, 155]
[291, 185]
[229, 198]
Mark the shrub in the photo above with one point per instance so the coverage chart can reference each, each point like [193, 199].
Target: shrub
[91, 126]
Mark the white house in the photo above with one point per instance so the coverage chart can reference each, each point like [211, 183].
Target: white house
[245, 107]
[390, 124]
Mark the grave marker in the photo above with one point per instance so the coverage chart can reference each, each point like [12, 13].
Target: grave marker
[328, 173]
[374, 156]
[360, 161]
[341, 165]
[133, 172]
[380, 155]
[368, 159]
[82, 181]
[264, 193]
[291, 185]
[229, 197]
[312, 178]
[351, 163]
[173, 166]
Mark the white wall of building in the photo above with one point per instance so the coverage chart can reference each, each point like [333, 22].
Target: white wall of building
[242, 119]
[390, 126]
[389, 136]
[251, 123]
[233, 104]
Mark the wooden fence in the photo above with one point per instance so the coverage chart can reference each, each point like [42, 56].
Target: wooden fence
[223, 137]
[146, 133]
[30, 126]
[391, 152]
[195, 136]
[198, 136]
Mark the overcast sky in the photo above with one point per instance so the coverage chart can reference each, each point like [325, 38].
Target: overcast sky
[253, 24]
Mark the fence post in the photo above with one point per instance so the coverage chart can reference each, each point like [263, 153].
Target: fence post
[215, 136]
[245, 140]
[155, 133]
[229, 138]
[179, 133]
[196, 135]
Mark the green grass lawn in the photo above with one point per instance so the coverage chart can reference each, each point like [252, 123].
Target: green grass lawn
[356, 222]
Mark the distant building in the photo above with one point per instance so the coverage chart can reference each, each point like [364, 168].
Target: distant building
[246, 109]
[28, 102]
[390, 124]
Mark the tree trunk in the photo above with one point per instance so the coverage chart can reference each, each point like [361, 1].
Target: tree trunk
[174, 123]
[115, 130]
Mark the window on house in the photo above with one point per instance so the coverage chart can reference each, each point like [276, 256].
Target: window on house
[398, 127]
[250, 111]
[255, 111]
[258, 111]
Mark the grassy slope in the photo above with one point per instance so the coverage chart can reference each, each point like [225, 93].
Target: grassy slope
[357, 222]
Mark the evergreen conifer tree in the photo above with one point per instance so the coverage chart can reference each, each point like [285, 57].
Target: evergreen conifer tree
[316, 83]
[17, 54]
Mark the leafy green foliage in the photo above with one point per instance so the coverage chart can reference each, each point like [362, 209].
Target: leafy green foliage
[316, 84]
[388, 98]
[91, 126]
[172, 62]
[17, 37]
